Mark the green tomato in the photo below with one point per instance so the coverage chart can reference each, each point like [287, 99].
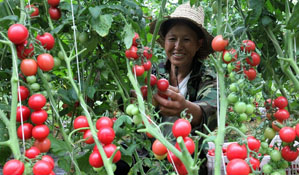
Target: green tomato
[129, 109]
[267, 169]
[276, 173]
[233, 87]
[243, 128]
[31, 79]
[35, 86]
[57, 62]
[227, 57]
[281, 171]
[230, 67]
[240, 107]
[83, 37]
[243, 117]
[135, 110]
[137, 119]
[232, 98]
[47, 76]
[250, 109]
[264, 145]
[60, 55]
[275, 155]
[284, 164]
[269, 133]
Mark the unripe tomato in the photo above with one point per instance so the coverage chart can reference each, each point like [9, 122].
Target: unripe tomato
[269, 133]
[24, 111]
[158, 148]
[275, 155]
[17, 33]
[37, 101]
[81, 122]
[281, 102]
[162, 84]
[181, 127]
[45, 62]
[229, 56]
[160, 157]
[28, 67]
[13, 166]
[240, 107]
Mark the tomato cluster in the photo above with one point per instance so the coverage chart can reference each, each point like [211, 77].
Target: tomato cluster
[54, 11]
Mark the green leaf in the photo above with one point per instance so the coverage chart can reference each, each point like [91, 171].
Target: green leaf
[11, 18]
[84, 163]
[293, 21]
[102, 24]
[64, 162]
[72, 94]
[91, 91]
[127, 159]
[95, 11]
[63, 94]
[58, 147]
[128, 35]
[4, 107]
[255, 13]
[266, 20]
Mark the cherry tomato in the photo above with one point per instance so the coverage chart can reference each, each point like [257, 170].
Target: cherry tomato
[88, 135]
[250, 73]
[17, 33]
[13, 167]
[37, 101]
[42, 167]
[182, 169]
[255, 163]
[254, 60]
[46, 40]
[55, 13]
[276, 128]
[171, 157]
[289, 154]
[237, 166]
[287, 134]
[153, 80]
[219, 44]
[189, 143]
[249, 109]
[104, 122]
[83, 37]
[147, 65]
[28, 67]
[143, 90]
[25, 51]
[162, 84]
[53, 3]
[95, 159]
[106, 135]
[229, 56]
[275, 155]
[149, 135]
[158, 148]
[39, 117]
[281, 102]
[43, 145]
[138, 70]
[40, 132]
[147, 53]
[281, 114]
[269, 133]
[267, 169]
[236, 151]
[132, 53]
[161, 157]
[45, 62]
[249, 45]
[268, 103]
[232, 98]
[35, 10]
[81, 122]
[297, 130]
[135, 39]
[109, 150]
[181, 127]
[25, 113]
[50, 160]
[27, 127]
[253, 143]
[32, 152]
[237, 66]
[240, 107]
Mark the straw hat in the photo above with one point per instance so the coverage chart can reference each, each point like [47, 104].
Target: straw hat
[194, 15]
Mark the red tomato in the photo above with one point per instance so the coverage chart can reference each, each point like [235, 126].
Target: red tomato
[49, 159]
[138, 70]
[88, 135]
[237, 66]
[249, 45]
[32, 152]
[181, 127]
[25, 111]
[281, 114]
[162, 84]
[28, 67]
[237, 167]
[287, 134]
[43, 145]
[254, 162]
[236, 151]
[281, 102]
[276, 128]
[253, 143]
[147, 53]
[55, 13]
[182, 169]
[250, 74]
[297, 129]
[153, 80]
[17, 33]
[37, 101]
[104, 122]
[39, 117]
[95, 159]
[81, 122]
[13, 167]
[132, 53]
[42, 167]
[147, 65]
[149, 135]
[35, 10]
[219, 44]
[135, 39]
[229, 56]
[171, 157]
[255, 59]
[53, 3]
[106, 135]
[158, 148]
[268, 103]
[189, 143]
[27, 127]
[45, 62]
[289, 154]
[25, 51]
[143, 90]
[46, 40]
[40, 132]
[109, 150]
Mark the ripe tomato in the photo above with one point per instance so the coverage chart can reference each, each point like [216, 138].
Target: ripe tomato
[287, 134]
[281, 114]
[42, 167]
[25, 113]
[13, 167]
[34, 10]
[132, 53]
[53, 3]
[237, 66]
[95, 159]
[249, 45]
[289, 154]
[25, 51]
[43, 145]
[45, 62]
[162, 157]
[39, 117]
[237, 166]
[88, 135]
[40, 132]
[104, 122]
[55, 13]
[46, 40]
[81, 122]
[219, 44]
[281, 102]
[17, 33]
[236, 151]
[136, 40]
[106, 135]
[253, 143]
[28, 67]
[254, 162]
[268, 103]
[27, 127]
[189, 143]
[109, 150]
[171, 157]
[147, 65]
[181, 127]
[147, 53]
[32, 152]
[162, 84]
[297, 130]
[255, 59]
[153, 80]
[158, 148]
[143, 90]
[276, 128]
[49, 159]
[37, 101]
[182, 169]
[229, 56]
[250, 73]
[138, 70]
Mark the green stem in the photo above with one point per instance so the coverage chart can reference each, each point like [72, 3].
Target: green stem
[4, 118]
[138, 160]
[237, 130]
[281, 89]
[201, 134]
[22, 10]
[5, 143]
